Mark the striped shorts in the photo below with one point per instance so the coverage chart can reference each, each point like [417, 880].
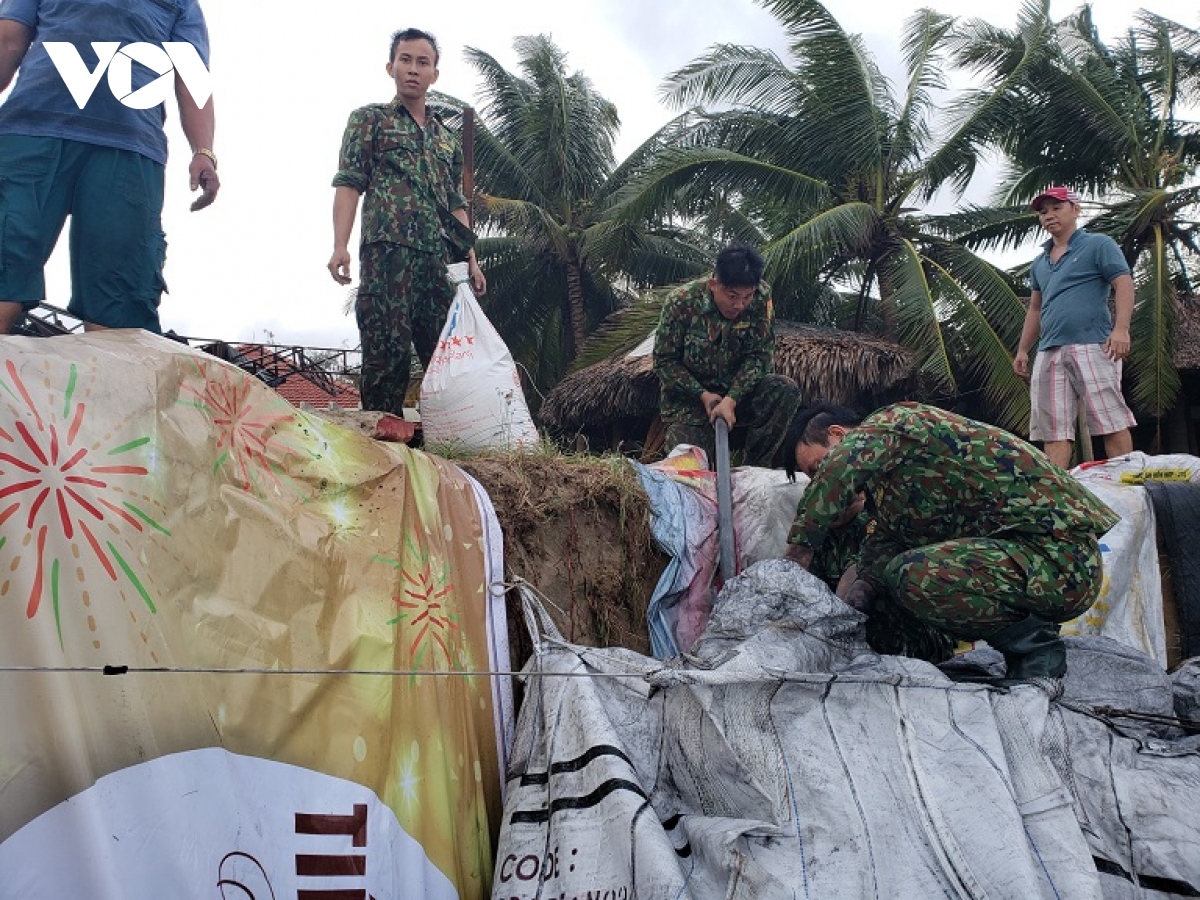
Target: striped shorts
[1062, 376]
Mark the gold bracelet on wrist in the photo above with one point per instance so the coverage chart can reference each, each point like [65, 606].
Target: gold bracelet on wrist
[204, 151]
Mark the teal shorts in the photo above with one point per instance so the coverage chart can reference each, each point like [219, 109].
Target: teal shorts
[114, 198]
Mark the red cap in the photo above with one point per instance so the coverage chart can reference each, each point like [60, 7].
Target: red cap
[1062, 194]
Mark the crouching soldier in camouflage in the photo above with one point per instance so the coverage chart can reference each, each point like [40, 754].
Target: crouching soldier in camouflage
[977, 535]
[713, 355]
[409, 166]
[836, 561]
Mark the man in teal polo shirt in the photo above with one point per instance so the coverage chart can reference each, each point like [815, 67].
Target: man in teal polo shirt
[102, 165]
[1080, 348]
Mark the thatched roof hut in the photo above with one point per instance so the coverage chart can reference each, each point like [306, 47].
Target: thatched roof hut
[841, 366]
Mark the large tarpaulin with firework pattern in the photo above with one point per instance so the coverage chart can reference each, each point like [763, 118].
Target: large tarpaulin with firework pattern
[290, 614]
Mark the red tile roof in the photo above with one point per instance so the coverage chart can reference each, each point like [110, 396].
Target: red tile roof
[297, 389]
[294, 387]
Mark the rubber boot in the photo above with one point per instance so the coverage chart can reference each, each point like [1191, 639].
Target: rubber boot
[1031, 648]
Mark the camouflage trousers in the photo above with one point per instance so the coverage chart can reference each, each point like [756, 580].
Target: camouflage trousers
[764, 413]
[972, 587]
[403, 298]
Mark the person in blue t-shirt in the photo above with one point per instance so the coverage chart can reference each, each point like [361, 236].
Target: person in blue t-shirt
[1079, 348]
[102, 164]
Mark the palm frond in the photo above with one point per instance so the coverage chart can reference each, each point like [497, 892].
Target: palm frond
[844, 230]
[1155, 380]
[924, 34]
[505, 96]
[848, 99]
[561, 109]
[646, 256]
[521, 215]
[624, 330]
[982, 326]
[734, 75]
[986, 227]
[653, 194]
[641, 158]
[916, 306]
[982, 114]
[501, 172]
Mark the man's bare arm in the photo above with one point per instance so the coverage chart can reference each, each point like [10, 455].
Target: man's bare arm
[345, 209]
[199, 127]
[478, 282]
[1117, 345]
[1029, 334]
[15, 39]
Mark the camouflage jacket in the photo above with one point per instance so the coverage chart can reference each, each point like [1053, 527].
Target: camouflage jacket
[697, 349]
[841, 549]
[933, 476]
[406, 173]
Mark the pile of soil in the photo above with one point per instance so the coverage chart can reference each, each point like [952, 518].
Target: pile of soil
[577, 528]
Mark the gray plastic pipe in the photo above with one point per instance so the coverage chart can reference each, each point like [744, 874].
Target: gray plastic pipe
[728, 559]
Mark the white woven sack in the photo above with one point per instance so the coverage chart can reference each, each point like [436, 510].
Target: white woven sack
[471, 395]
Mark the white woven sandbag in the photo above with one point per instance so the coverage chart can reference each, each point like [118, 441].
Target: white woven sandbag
[471, 395]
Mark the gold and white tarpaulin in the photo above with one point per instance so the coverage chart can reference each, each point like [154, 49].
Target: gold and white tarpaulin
[292, 614]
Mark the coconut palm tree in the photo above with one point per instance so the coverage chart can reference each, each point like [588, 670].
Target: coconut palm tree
[832, 164]
[556, 262]
[1105, 119]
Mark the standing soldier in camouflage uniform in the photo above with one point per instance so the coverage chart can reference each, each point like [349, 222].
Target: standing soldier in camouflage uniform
[712, 353]
[409, 166]
[976, 533]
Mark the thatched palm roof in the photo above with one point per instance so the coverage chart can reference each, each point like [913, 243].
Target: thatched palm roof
[1187, 334]
[841, 366]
